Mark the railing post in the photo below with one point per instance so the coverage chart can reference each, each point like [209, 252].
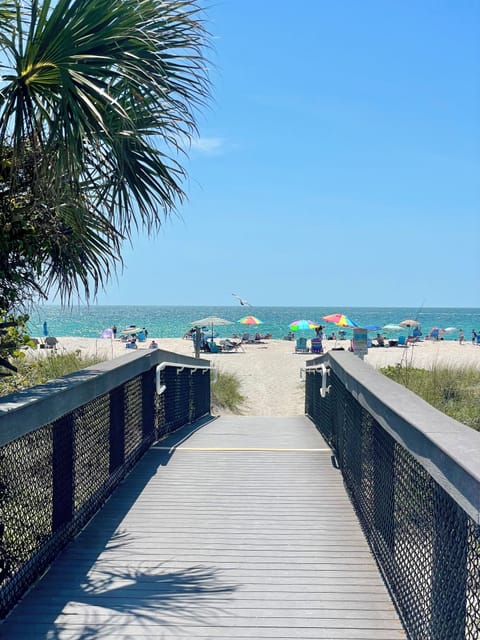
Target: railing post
[62, 471]
[117, 428]
[148, 403]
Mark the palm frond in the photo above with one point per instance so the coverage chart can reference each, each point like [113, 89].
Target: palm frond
[104, 94]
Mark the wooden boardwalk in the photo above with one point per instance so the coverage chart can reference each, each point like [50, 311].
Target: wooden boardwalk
[242, 530]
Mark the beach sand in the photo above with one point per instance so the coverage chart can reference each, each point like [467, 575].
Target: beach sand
[270, 373]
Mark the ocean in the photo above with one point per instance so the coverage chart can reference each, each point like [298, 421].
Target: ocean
[174, 321]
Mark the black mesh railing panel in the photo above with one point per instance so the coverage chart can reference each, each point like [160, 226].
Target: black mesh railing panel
[177, 397]
[199, 393]
[318, 407]
[408, 557]
[25, 507]
[91, 454]
[26, 494]
[427, 547]
[366, 453]
[160, 420]
[133, 416]
[472, 598]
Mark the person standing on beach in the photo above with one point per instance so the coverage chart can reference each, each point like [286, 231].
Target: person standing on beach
[197, 340]
[474, 336]
[114, 331]
[461, 336]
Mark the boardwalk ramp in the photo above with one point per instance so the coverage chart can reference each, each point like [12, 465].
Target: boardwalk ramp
[240, 528]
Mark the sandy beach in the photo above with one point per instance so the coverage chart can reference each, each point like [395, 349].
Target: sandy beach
[270, 373]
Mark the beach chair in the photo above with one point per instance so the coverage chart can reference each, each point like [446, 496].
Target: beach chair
[213, 347]
[316, 345]
[51, 343]
[301, 345]
[231, 345]
[402, 341]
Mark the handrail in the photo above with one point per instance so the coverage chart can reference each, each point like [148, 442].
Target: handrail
[324, 389]
[160, 388]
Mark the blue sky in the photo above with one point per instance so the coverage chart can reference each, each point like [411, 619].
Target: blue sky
[338, 162]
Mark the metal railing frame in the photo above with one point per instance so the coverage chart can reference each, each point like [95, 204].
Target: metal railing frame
[66, 445]
[413, 475]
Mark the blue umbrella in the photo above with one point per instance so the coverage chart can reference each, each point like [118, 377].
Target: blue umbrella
[372, 327]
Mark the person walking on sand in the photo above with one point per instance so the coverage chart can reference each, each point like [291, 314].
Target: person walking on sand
[474, 336]
[114, 331]
[461, 336]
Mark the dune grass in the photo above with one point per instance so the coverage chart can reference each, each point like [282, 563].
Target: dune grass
[40, 370]
[454, 391]
[225, 392]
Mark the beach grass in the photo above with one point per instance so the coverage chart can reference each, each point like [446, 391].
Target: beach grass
[41, 370]
[453, 390]
[225, 392]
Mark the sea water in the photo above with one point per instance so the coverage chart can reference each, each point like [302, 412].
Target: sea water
[174, 321]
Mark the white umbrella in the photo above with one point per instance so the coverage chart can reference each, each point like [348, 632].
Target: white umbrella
[211, 320]
[392, 327]
[409, 323]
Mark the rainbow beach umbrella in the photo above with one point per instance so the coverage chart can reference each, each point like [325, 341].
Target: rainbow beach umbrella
[302, 325]
[341, 320]
[250, 320]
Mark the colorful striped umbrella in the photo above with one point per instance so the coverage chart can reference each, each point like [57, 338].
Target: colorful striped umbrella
[250, 320]
[302, 325]
[341, 320]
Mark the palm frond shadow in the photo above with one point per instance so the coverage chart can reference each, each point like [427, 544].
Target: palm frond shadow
[119, 592]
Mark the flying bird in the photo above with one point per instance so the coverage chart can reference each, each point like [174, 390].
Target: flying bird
[244, 303]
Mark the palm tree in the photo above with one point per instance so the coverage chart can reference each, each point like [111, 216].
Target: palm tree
[97, 100]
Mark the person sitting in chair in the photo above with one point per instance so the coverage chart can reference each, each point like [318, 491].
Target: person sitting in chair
[131, 343]
[153, 345]
[416, 333]
[380, 340]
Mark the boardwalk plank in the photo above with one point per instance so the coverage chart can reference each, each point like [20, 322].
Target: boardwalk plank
[241, 529]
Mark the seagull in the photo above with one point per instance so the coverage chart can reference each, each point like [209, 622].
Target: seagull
[244, 303]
